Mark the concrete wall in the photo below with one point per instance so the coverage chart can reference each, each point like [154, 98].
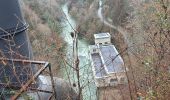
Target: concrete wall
[120, 77]
[93, 49]
[112, 80]
[102, 41]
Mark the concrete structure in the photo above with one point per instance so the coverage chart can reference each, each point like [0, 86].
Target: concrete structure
[107, 65]
[102, 38]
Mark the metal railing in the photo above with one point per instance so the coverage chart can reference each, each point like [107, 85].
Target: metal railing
[26, 86]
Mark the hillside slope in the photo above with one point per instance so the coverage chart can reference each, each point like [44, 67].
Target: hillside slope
[43, 17]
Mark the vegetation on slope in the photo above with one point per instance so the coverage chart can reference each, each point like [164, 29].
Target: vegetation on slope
[43, 17]
[85, 13]
[149, 28]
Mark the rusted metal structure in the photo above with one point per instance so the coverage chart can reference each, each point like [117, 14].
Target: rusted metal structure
[18, 73]
[27, 86]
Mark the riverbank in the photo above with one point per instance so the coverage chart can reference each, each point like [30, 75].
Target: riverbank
[115, 12]
[119, 39]
[84, 79]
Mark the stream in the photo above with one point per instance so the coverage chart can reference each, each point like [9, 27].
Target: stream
[86, 75]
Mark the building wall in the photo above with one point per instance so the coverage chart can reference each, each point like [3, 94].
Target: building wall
[102, 41]
[120, 77]
[93, 49]
[112, 80]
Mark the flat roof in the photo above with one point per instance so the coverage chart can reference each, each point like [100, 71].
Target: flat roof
[112, 59]
[101, 35]
[99, 67]
[108, 59]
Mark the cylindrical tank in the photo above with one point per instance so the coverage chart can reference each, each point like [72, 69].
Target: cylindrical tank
[14, 44]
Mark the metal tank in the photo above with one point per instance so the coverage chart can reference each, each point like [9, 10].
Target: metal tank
[15, 44]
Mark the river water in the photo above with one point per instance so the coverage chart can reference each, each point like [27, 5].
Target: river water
[86, 76]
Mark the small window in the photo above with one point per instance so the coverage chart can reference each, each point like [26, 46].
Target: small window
[94, 50]
[113, 80]
[106, 42]
[122, 79]
[100, 43]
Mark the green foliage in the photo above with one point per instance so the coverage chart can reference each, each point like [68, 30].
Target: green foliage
[27, 97]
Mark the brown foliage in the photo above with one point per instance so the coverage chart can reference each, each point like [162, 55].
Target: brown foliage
[150, 52]
[46, 42]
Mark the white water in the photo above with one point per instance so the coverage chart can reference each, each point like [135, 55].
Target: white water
[69, 25]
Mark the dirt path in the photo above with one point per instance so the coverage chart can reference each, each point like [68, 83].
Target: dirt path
[110, 93]
[117, 28]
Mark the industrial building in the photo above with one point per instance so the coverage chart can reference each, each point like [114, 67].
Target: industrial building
[107, 64]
